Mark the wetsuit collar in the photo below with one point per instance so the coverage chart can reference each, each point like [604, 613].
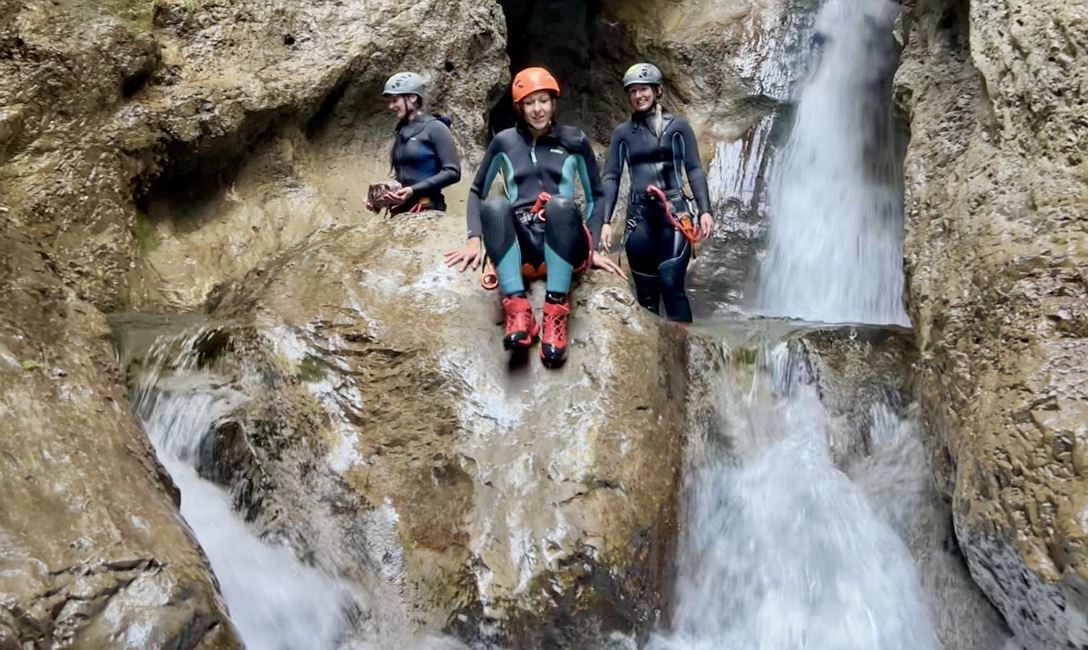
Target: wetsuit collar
[413, 126]
[526, 132]
[642, 120]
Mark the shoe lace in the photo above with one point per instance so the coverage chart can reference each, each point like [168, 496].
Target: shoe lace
[556, 326]
[517, 319]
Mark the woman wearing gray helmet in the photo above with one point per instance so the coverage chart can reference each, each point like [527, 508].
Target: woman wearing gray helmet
[658, 149]
[424, 157]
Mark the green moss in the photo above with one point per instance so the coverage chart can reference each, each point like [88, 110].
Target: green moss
[745, 356]
[146, 234]
[311, 369]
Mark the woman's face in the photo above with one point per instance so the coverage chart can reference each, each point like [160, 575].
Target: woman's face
[641, 97]
[538, 109]
[402, 105]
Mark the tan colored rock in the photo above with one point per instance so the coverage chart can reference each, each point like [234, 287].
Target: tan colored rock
[109, 107]
[997, 192]
[525, 506]
[92, 551]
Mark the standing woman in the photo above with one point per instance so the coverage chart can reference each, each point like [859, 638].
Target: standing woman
[658, 148]
[535, 231]
[424, 156]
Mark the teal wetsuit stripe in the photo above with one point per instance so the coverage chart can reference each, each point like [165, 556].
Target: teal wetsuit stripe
[583, 176]
[509, 270]
[678, 155]
[560, 270]
[508, 177]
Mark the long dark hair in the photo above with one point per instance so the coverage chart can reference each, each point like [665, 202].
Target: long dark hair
[418, 104]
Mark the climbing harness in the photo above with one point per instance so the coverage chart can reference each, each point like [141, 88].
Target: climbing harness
[489, 277]
[682, 222]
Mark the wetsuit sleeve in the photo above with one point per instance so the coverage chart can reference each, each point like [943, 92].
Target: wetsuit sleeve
[485, 175]
[613, 172]
[694, 167]
[442, 140]
[590, 175]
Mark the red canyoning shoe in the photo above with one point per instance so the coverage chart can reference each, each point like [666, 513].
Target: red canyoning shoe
[520, 323]
[553, 342]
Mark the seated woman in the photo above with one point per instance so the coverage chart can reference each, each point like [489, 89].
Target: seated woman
[424, 156]
[657, 147]
[535, 231]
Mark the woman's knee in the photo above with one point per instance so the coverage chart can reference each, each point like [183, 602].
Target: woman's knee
[495, 207]
[562, 208]
[672, 273]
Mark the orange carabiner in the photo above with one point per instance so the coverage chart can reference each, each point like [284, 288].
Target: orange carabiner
[682, 224]
[538, 206]
[489, 277]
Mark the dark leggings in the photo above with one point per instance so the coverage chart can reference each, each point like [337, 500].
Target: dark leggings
[658, 255]
[513, 240]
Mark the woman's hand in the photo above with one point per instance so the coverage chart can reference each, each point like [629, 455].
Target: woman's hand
[598, 261]
[400, 196]
[706, 226]
[468, 255]
[606, 238]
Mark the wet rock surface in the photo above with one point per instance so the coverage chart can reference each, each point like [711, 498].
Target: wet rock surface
[505, 502]
[93, 551]
[996, 193]
[105, 109]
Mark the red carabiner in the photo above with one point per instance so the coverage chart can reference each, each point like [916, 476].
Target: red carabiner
[685, 226]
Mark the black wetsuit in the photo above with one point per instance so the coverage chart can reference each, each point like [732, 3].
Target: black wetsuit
[512, 236]
[425, 158]
[657, 252]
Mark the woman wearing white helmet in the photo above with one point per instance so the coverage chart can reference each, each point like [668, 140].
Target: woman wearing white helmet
[659, 149]
[424, 156]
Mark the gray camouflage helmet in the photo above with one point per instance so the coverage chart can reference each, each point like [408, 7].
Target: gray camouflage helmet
[404, 83]
[642, 73]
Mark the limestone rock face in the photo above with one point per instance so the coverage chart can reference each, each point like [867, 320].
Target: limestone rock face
[92, 550]
[111, 109]
[108, 111]
[996, 252]
[523, 506]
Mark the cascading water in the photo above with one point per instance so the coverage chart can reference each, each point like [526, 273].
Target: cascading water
[782, 550]
[274, 601]
[835, 204]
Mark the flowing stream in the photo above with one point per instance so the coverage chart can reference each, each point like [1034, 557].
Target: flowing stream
[275, 602]
[782, 550]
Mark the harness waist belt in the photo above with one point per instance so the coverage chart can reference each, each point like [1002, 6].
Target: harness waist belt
[639, 198]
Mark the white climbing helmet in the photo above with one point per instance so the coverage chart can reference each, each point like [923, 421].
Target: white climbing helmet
[642, 73]
[404, 83]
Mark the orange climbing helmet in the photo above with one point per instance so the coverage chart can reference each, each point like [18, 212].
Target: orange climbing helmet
[530, 80]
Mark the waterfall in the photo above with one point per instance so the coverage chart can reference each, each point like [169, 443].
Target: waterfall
[782, 550]
[835, 200]
[274, 601]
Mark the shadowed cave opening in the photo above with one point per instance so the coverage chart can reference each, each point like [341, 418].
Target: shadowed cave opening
[582, 47]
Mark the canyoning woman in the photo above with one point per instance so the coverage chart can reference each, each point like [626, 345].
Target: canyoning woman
[535, 230]
[424, 157]
[658, 149]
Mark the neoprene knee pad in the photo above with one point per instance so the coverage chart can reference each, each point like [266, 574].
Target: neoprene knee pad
[647, 291]
[672, 272]
[495, 207]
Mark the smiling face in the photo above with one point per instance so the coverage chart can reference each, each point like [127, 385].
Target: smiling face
[641, 97]
[403, 106]
[538, 109]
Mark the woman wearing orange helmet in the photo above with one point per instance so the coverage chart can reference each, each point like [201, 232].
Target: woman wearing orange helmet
[535, 230]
